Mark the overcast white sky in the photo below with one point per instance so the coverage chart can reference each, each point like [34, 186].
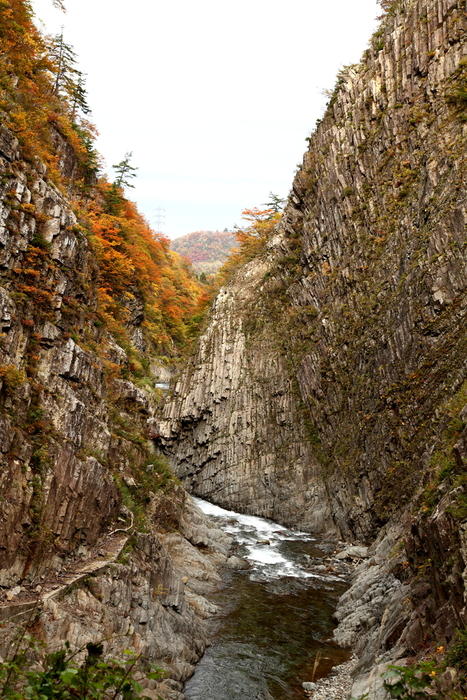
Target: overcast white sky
[215, 99]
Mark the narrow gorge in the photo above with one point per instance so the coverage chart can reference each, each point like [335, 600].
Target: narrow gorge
[325, 389]
[328, 389]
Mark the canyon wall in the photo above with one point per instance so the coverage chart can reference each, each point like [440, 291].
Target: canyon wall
[90, 516]
[329, 386]
[239, 437]
[351, 320]
[327, 390]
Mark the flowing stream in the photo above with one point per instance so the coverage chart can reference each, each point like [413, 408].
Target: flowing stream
[275, 624]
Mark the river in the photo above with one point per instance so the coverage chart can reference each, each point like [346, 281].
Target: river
[276, 622]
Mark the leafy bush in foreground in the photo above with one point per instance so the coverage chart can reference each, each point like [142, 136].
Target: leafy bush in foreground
[61, 678]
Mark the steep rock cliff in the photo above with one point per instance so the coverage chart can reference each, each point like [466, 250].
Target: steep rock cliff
[360, 293]
[335, 361]
[240, 437]
[86, 504]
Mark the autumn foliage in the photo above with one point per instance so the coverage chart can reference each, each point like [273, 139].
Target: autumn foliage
[28, 105]
[205, 246]
[136, 268]
[251, 239]
[137, 263]
[137, 271]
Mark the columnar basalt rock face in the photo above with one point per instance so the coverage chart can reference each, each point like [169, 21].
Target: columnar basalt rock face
[147, 599]
[54, 502]
[356, 313]
[74, 444]
[327, 392]
[356, 310]
[240, 438]
[380, 209]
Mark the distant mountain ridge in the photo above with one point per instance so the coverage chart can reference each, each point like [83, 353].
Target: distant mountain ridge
[207, 250]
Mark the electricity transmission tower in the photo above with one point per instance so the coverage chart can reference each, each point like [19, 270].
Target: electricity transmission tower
[159, 219]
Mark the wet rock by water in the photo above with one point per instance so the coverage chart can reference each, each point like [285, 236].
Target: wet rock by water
[275, 617]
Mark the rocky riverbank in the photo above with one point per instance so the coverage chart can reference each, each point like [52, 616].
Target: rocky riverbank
[328, 390]
[336, 686]
[149, 596]
[339, 559]
[375, 609]
[342, 559]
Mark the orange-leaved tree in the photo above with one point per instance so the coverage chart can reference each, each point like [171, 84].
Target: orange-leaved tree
[251, 239]
[28, 101]
[136, 261]
[42, 98]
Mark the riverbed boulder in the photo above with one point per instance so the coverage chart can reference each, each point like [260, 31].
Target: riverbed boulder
[234, 562]
[308, 686]
[353, 552]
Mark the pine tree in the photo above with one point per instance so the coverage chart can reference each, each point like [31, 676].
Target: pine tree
[69, 81]
[65, 60]
[78, 95]
[275, 203]
[125, 171]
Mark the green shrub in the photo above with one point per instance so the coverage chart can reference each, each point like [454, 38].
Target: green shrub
[457, 654]
[411, 682]
[12, 377]
[418, 682]
[63, 679]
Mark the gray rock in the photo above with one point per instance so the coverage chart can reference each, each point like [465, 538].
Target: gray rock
[253, 453]
[308, 685]
[9, 145]
[237, 563]
[353, 552]
[341, 310]
[201, 605]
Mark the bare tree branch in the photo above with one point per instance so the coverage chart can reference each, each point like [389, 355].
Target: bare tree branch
[59, 4]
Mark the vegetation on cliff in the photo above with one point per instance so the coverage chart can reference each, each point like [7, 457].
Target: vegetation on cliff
[95, 312]
[360, 300]
[62, 678]
[251, 239]
[42, 100]
[226, 251]
[29, 101]
[92, 297]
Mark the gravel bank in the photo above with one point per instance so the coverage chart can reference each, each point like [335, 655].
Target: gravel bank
[336, 686]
